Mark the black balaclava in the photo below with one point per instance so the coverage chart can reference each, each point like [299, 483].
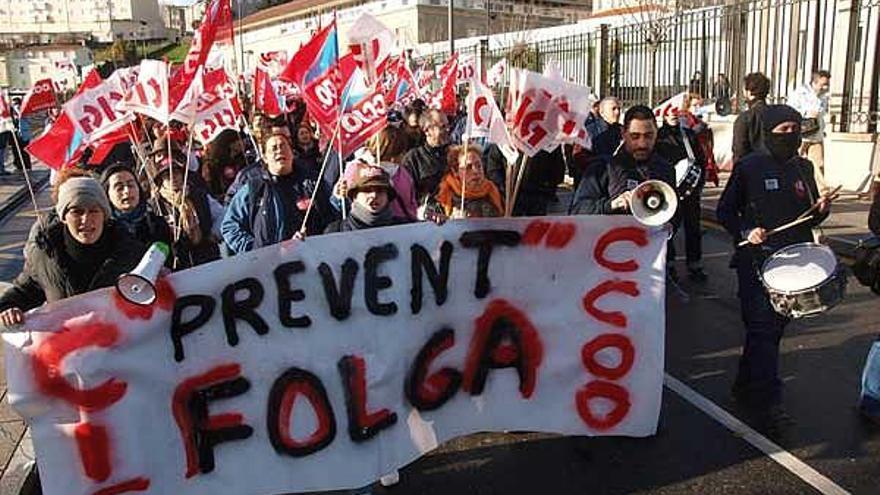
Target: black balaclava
[781, 146]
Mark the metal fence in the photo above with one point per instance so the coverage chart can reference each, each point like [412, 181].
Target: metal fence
[785, 39]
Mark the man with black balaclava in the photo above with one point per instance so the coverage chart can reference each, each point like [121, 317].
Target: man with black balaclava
[767, 188]
[607, 186]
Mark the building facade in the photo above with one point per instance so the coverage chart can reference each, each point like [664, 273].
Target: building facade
[20, 68]
[28, 22]
[413, 22]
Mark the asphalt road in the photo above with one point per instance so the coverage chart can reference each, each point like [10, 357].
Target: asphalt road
[692, 453]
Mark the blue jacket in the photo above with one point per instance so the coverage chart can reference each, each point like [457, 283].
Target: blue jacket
[267, 210]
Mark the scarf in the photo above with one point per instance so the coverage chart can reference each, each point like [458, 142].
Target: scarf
[451, 187]
[130, 220]
[86, 259]
[363, 218]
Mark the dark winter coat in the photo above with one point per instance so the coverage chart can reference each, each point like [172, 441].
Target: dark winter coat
[748, 131]
[46, 276]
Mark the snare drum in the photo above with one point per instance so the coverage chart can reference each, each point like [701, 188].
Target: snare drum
[687, 177]
[803, 280]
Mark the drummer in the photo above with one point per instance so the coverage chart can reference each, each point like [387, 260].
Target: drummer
[671, 145]
[768, 188]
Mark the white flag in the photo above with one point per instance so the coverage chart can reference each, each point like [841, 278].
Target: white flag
[371, 43]
[149, 96]
[495, 75]
[484, 120]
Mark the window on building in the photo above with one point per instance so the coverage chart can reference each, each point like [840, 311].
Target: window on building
[43, 69]
[21, 70]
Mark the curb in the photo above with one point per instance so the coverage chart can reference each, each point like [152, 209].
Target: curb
[11, 205]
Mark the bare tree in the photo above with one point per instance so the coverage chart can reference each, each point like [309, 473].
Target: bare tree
[655, 20]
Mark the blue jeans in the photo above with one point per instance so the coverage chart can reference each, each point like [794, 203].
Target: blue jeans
[757, 381]
[869, 401]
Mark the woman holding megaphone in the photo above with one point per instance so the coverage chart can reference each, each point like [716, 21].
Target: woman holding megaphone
[77, 250]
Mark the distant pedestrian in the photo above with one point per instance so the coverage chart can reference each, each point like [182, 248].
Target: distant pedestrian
[721, 93]
[811, 100]
[748, 132]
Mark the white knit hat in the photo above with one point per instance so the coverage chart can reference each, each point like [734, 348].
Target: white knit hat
[81, 191]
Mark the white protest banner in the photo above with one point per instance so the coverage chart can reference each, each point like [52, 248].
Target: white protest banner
[326, 363]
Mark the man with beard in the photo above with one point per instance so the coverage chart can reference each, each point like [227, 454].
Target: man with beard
[767, 188]
[427, 163]
[607, 186]
[271, 207]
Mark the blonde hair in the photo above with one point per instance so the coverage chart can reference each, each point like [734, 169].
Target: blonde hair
[455, 153]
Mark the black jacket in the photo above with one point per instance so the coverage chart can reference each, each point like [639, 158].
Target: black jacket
[607, 142]
[670, 146]
[350, 224]
[748, 132]
[427, 166]
[607, 177]
[46, 276]
[762, 192]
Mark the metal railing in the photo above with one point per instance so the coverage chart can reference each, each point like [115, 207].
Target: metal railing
[785, 39]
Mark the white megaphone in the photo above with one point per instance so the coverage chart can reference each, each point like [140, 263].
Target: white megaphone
[653, 203]
[137, 286]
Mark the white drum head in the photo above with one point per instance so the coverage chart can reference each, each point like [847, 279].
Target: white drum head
[681, 170]
[799, 267]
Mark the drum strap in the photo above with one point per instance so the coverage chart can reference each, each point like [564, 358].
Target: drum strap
[687, 146]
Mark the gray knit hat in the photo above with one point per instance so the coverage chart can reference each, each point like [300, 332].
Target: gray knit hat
[81, 191]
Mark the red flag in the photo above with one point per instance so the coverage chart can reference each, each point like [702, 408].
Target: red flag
[92, 80]
[103, 147]
[60, 145]
[404, 89]
[40, 97]
[314, 59]
[444, 98]
[323, 95]
[216, 24]
[364, 112]
[265, 97]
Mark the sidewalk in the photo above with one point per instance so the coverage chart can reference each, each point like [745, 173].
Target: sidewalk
[16, 449]
[14, 191]
[847, 223]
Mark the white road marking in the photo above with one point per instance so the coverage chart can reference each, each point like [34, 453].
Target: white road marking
[784, 458]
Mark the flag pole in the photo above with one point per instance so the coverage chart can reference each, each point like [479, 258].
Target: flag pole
[338, 124]
[336, 136]
[27, 177]
[463, 157]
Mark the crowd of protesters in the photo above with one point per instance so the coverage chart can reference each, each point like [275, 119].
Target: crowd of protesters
[278, 181]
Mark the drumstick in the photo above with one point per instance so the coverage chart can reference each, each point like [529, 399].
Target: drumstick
[793, 223]
[831, 196]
